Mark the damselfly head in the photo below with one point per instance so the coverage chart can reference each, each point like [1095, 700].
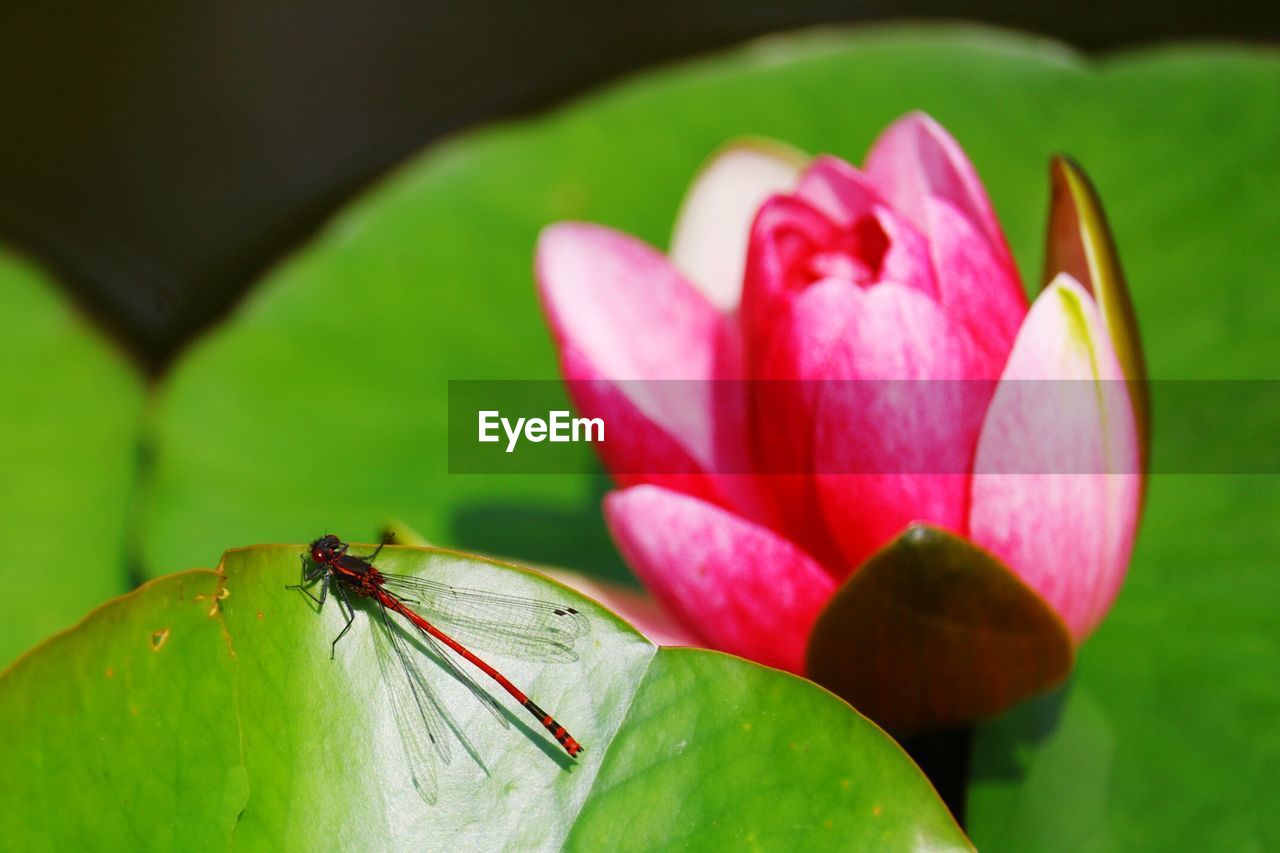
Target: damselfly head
[324, 548]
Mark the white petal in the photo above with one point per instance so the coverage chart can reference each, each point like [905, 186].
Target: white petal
[709, 244]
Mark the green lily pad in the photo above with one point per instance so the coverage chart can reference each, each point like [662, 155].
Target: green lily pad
[933, 632]
[128, 726]
[204, 710]
[68, 453]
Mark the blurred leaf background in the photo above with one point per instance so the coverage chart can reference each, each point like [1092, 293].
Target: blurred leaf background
[319, 402]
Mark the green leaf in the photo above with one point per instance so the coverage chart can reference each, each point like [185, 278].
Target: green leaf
[68, 451]
[932, 631]
[204, 710]
[720, 754]
[123, 731]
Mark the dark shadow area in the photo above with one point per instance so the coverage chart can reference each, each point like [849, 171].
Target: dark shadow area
[160, 157]
[947, 755]
[944, 756]
[536, 534]
[1024, 727]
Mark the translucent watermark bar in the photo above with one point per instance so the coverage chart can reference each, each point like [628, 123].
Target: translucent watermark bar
[883, 427]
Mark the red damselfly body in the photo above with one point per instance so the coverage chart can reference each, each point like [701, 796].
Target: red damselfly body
[447, 621]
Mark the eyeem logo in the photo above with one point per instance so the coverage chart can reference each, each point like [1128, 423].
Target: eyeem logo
[558, 427]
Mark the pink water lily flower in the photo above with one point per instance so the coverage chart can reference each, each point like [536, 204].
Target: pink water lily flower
[744, 520]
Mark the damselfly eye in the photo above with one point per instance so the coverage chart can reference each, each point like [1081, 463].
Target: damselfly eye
[321, 554]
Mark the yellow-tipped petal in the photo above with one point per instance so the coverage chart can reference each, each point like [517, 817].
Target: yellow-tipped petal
[1079, 243]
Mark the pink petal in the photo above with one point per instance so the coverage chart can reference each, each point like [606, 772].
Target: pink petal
[916, 158]
[786, 231]
[845, 195]
[640, 448]
[623, 317]
[908, 260]
[738, 585]
[709, 244]
[792, 364]
[790, 231]
[1054, 515]
[894, 431]
[976, 286]
[605, 294]
[837, 189]
[790, 327]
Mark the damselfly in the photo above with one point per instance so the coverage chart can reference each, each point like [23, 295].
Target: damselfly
[444, 620]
